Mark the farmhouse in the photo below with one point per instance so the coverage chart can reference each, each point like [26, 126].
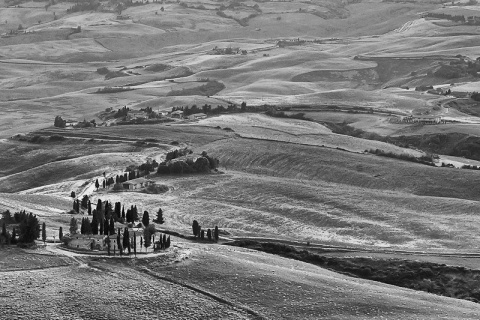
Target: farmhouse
[177, 114]
[197, 116]
[137, 183]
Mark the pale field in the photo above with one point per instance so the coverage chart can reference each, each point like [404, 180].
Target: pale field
[297, 131]
[217, 282]
[278, 181]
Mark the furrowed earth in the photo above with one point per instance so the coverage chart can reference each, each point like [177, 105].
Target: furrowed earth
[347, 138]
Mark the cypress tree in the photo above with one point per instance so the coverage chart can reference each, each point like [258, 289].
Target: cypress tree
[99, 206]
[168, 242]
[97, 185]
[103, 184]
[202, 234]
[4, 229]
[82, 226]
[102, 224]
[148, 239]
[106, 210]
[195, 228]
[94, 224]
[85, 202]
[88, 226]
[215, 233]
[160, 240]
[119, 243]
[164, 241]
[209, 234]
[123, 213]
[106, 227]
[145, 218]
[129, 216]
[159, 218]
[135, 213]
[112, 226]
[60, 233]
[135, 244]
[44, 233]
[89, 207]
[73, 226]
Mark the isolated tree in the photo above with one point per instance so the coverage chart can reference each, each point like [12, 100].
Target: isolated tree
[97, 185]
[103, 184]
[215, 233]
[209, 234]
[164, 240]
[145, 219]
[73, 226]
[195, 228]
[60, 233]
[202, 234]
[89, 207]
[126, 240]
[85, 202]
[159, 218]
[135, 244]
[148, 238]
[123, 212]
[44, 233]
[72, 194]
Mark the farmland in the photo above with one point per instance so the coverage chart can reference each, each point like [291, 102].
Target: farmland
[340, 128]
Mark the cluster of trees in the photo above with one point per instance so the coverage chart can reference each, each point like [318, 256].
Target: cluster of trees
[207, 109]
[202, 164]
[28, 228]
[438, 15]
[198, 232]
[475, 96]
[208, 89]
[59, 122]
[281, 114]
[121, 113]
[427, 160]
[90, 5]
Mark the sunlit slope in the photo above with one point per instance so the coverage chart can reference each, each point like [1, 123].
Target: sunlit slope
[279, 288]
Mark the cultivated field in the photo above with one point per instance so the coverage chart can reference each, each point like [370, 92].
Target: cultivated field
[352, 67]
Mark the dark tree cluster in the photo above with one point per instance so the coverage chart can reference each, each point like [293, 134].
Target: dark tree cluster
[202, 164]
[199, 233]
[457, 18]
[162, 243]
[208, 110]
[121, 113]
[91, 5]
[59, 122]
